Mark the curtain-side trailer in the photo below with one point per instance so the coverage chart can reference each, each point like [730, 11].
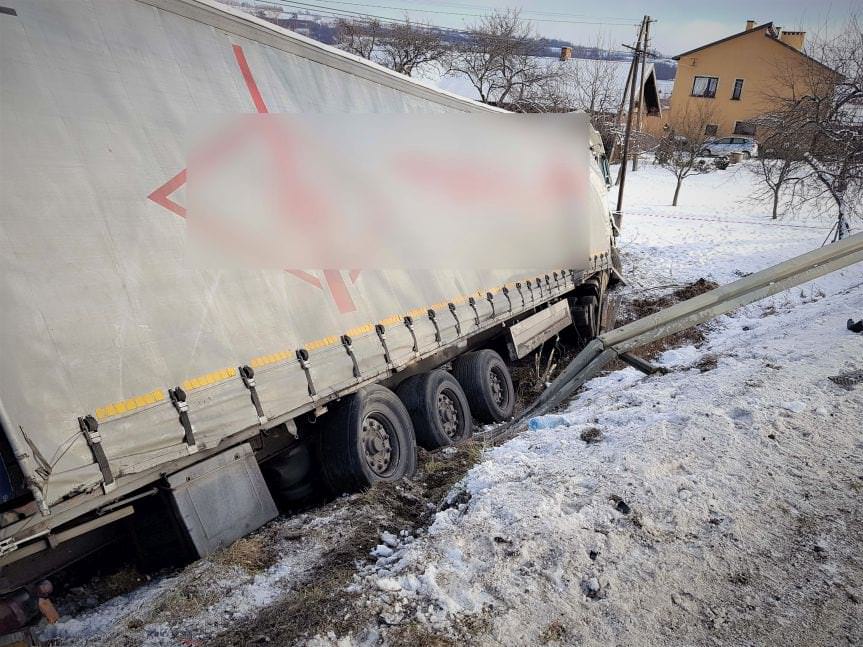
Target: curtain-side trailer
[131, 375]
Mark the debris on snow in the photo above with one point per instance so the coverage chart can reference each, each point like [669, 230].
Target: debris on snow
[591, 435]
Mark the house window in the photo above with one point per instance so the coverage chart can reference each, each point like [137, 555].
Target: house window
[705, 86]
[738, 89]
[744, 128]
[710, 129]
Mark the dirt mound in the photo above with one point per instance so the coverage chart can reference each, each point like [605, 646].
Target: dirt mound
[321, 602]
[641, 307]
[644, 306]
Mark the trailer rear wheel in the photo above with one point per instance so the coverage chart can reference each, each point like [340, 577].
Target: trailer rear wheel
[438, 408]
[487, 384]
[368, 438]
[289, 476]
[585, 316]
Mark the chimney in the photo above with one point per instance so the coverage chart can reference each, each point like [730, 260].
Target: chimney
[750, 25]
[793, 38]
[565, 53]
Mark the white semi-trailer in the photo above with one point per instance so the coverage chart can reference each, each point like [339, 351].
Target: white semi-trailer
[131, 376]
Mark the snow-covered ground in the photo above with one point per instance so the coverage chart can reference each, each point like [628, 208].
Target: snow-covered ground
[720, 503]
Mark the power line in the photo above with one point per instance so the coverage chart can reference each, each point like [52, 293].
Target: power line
[623, 22]
[522, 10]
[328, 12]
[348, 13]
[317, 10]
[368, 18]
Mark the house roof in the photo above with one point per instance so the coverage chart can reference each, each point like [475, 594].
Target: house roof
[765, 26]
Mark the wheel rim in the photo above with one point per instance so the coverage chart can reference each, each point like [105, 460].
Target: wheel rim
[498, 387]
[380, 446]
[448, 413]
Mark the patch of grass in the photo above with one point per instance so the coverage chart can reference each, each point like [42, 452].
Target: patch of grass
[253, 553]
[531, 373]
[187, 600]
[555, 632]
[125, 580]
[707, 363]
[646, 306]
[416, 634]
[321, 604]
[318, 604]
[441, 471]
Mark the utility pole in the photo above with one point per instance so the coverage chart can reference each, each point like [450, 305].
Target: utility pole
[647, 22]
[618, 214]
[629, 83]
[627, 90]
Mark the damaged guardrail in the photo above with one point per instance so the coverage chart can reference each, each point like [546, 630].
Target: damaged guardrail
[619, 342]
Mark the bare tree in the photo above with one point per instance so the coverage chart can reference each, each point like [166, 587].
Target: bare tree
[402, 47]
[501, 58]
[594, 87]
[406, 46]
[679, 152]
[780, 167]
[819, 104]
[360, 38]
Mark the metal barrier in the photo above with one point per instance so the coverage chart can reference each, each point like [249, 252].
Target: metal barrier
[619, 342]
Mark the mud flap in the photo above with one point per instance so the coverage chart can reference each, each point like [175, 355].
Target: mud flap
[221, 499]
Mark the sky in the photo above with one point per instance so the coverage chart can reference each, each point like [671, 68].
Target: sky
[680, 24]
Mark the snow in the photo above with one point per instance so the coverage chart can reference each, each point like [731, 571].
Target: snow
[716, 506]
[692, 520]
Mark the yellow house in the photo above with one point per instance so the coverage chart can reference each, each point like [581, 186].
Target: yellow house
[735, 77]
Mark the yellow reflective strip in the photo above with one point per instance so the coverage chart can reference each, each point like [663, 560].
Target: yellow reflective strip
[130, 404]
[212, 378]
[263, 360]
[391, 320]
[360, 330]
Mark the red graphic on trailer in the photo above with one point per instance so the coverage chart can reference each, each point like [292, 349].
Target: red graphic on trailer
[334, 279]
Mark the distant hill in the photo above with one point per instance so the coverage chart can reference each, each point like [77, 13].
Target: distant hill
[323, 29]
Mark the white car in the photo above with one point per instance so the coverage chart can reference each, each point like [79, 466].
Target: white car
[736, 144]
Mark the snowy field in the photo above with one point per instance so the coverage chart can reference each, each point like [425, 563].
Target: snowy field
[720, 503]
[720, 506]
[460, 84]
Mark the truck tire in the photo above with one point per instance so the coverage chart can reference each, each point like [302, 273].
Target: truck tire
[289, 476]
[368, 438]
[438, 408]
[585, 316]
[487, 384]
